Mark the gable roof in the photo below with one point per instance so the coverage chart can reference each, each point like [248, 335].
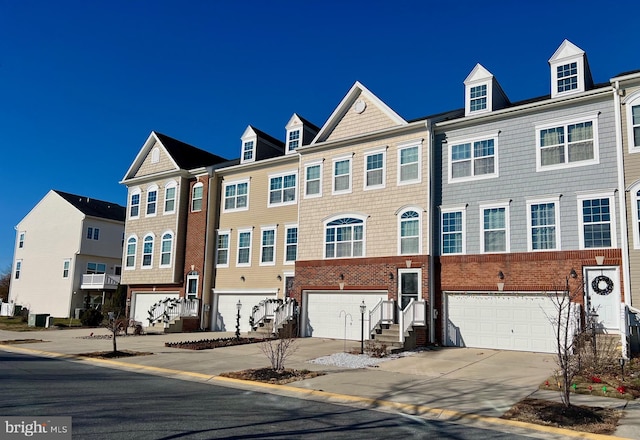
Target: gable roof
[187, 156]
[94, 207]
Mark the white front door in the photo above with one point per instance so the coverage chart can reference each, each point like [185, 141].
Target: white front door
[602, 285]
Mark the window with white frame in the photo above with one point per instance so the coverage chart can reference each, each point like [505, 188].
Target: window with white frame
[222, 249]
[147, 252]
[268, 246]
[567, 143]
[134, 204]
[478, 98]
[282, 189]
[21, 239]
[453, 231]
[170, 198]
[313, 182]
[543, 224]
[130, 260]
[96, 268]
[152, 200]
[66, 265]
[342, 175]
[236, 196]
[244, 247]
[374, 168]
[473, 158]
[410, 236]
[166, 249]
[18, 269]
[196, 197]
[247, 151]
[155, 155]
[595, 213]
[494, 235]
[291, 244]
[567, 77]
[93, 233]
[344, 238]
[632, 104]
[409, 164]
[293, 139]
[192, 285]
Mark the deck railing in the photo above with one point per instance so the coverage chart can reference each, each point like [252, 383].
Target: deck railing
[382, 313]
[169, 309]
[414, 314]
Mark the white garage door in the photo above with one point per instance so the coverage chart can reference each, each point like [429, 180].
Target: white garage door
[143, 301]
[337, 315]
[504, 322]
[227, 310]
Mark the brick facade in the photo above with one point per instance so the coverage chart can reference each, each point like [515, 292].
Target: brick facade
[194, 254]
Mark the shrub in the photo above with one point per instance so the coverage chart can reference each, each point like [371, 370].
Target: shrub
[91, 318]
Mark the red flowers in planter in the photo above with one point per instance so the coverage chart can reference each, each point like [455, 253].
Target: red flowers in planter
[621, 389]
[596, 379]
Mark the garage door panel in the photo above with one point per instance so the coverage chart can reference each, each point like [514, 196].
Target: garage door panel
[227, 310]
[144, 301]
[337, 315]
[511, 322]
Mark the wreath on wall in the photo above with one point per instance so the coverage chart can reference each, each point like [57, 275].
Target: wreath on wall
[602, 285]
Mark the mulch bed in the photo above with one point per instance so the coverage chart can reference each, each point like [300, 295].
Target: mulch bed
[114, 355]
[269, 375]
[208, 344]
[595, 420]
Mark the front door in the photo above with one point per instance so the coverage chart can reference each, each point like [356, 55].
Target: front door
[409, 286]
[602, 285]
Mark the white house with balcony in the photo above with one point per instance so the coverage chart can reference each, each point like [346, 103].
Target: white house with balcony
[67, 255]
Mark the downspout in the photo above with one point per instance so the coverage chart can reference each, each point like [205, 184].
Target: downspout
[624, 334]
[432, 311]
[206, 272]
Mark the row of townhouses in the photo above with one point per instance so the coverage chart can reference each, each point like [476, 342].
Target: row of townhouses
[449, 229]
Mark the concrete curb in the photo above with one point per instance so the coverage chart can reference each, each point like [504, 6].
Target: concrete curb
[407, 408]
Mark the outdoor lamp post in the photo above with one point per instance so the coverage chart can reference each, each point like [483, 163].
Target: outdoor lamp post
[363, 308]
[622, 361]
[238, 306]
[593, 317]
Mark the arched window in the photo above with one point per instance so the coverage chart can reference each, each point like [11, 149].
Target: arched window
[410, 232]
[166, 248]
[132, 245]
[134, 203]
[170, 197]
[196, 197]
[632, 103]
[344, 238]
[152, 200]
[155, 155]
[147, 251]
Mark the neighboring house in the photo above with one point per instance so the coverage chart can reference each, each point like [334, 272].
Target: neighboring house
[257, 231]
[168, 220]
[67, 255]
[627, 106]
[528, 195]
[363, 220]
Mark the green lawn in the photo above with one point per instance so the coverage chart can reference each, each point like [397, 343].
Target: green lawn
[16, 324]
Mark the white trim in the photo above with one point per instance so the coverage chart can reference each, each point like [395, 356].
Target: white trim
[448, 210]
[171, 252]
[135, 252]
[333, 175]
[399, 282]
[551, 199]
[135, 191]
[151, 188]
[224, 197]
[631, 101]
[612, 217]
[168, 185]
[247, 291]
[219, 233]
[319, 164]
[282, 176]
[376, 151]
[254, 140]
[405, 146]
[592, 117]
[507, 225]
[191, 276]
[299, 128]
[488, 136]
[286, 233]
[153, 244]
[567, 53]
[263, 229]
[328, 220]
[467, 95]
[193, 188]
[399, 214]
[244, 231]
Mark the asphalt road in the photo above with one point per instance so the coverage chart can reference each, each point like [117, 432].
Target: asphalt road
[112, 404]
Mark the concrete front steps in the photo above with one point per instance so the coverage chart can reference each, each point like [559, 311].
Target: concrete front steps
[184, 324]
[265, 330]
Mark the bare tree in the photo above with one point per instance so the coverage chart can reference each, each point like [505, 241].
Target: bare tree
[115, 325]
[279, 350]
[566, 323]
[5, 282]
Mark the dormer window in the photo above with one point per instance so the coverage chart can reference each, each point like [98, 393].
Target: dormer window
[247, 151]
[569, 70]
[478, 98]
[482, 93]
[293, 140]
[567, 77]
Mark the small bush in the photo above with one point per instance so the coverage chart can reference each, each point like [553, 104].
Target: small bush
[375, 349]
[91, 318]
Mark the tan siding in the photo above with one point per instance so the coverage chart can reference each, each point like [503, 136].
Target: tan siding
[352, 123]
[164, 163]
[380, 205]
[631, 175]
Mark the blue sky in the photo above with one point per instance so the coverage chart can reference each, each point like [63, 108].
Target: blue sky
[83, 83]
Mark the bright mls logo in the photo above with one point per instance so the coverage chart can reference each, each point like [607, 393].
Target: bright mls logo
[35, 427]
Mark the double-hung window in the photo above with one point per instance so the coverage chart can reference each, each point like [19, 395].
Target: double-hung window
[247, 151]
[567, 143]
[293, 141]
[134, 205]
[222, 249]
[473, 158]
[596, 221]
[244, 247]
[494, 235]
[478, 98]
[147, 252]
[93, 233]
[170, 198]
[130, 260]
[21, 240]
[66, 265]
[453, 230]
[374, 164]
[18, 269]
[410, 227]
[166, 249]
[152, 200]
[291, 244]
[313, 182]
[282, 189]
[409, 163]
[196, 197]
[632, 104]
[268, 246]
[344, 238]
[342, 175]
[567, 77]
[543, 218]
[236, 196]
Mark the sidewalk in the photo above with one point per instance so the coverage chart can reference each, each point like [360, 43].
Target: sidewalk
[472, 384]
